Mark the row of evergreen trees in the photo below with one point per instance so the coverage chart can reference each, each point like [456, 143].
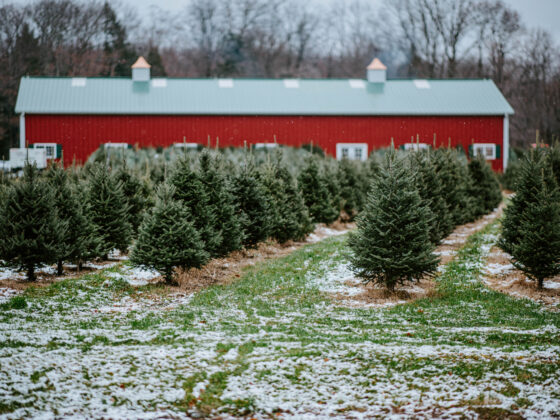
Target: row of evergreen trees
[414, 202]
[531, 224]
[203, 208]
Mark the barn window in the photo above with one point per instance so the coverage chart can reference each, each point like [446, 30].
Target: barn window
[415, 146]
[52, 150]
[265, 145]
[116, 145]
[489, 151]
[352, 151]
[186, 145]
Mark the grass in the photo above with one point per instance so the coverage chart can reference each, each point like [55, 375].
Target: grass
[275, 343]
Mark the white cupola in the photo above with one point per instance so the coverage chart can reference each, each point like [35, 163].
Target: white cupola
[141, 70]
[376, 71]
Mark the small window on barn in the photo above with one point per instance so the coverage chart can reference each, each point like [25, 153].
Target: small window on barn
[225, 83]
[422, 84]
[291, 83]
[265, 145]
[78, 81]
[159, 83]
[186, 145]
[415, 146]
[116, 145]
[357, 84]
[51, 149]
[487, 150]
[351, 151]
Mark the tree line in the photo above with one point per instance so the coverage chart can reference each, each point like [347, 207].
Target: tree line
[286, 38]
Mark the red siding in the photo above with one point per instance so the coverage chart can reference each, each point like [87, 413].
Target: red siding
[81, 135]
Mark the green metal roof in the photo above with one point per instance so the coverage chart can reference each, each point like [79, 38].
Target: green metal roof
[41, 95]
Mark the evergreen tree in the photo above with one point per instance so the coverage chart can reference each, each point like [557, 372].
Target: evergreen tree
[431, 192]
[253, 205]
[222, 200]
[289, 216]
[484, 187]
[529, 183]
[108, 209]
[453, 174]
[553, 158]
[29, 224]
[316, 196]
[392, 243]
[133, 191]
[351, 188]
[192, 192]
[168, 238]
[89, 246]
[537, 252]
[70, 211]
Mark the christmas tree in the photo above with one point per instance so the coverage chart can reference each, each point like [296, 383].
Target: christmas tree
[168, 238]
[29, 224]
[392, 244]
[253, 204]
[189, 189]
[221, 199]
[431, 192]
[553, 158]
[529, 182]
[70, 209]
[351, 188]
[314, 188]
[484, 188]
[134, 194]
[108, 209]
[537, 252]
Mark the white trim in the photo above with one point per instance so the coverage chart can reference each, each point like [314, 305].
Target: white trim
[22, 130]
[506, 142]
[352, 151]
[265, 145]
[484, 147]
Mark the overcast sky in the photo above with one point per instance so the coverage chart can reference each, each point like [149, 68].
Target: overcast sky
[535, 13]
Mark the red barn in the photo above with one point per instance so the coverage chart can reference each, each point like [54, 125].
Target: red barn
[345, 117]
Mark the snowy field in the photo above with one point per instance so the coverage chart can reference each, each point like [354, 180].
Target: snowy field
[276, 344]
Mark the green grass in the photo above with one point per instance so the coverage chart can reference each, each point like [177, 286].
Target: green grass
[274, 331]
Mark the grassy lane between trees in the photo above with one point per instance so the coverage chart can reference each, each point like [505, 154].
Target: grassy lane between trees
[274, 345]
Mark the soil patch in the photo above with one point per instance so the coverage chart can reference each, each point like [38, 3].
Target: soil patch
[502, 276]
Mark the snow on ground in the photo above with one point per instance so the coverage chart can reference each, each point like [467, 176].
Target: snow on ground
[7, 293]
[135, 276]
[322, 232]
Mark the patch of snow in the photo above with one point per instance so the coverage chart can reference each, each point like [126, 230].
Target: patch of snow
[495, 268]
[135, 276]
[549, 284]
[6, 294]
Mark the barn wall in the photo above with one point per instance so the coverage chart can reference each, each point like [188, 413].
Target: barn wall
[81, 135]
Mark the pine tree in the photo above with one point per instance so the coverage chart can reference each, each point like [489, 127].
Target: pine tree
[253, 205]
[537, 252]
[392, 243]
[70, 211]
[553, 158]
[108, 209]
[192, 192]
[528, 184]
[289, 216]
[431, 192]
[29, 224]
[484, 188]
[133, 191]
[90, 244]
[168, 237]
[220, 197]
[453, 173]
[316, 196]
[351, 188]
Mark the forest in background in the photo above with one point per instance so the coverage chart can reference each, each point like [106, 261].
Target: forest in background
[286, 38]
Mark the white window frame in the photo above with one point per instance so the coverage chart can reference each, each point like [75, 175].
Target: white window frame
[416, 146]
[186, 145]
[46, 146]
[351, 151]
[483, 147]
[265, 145]
[111, 145]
